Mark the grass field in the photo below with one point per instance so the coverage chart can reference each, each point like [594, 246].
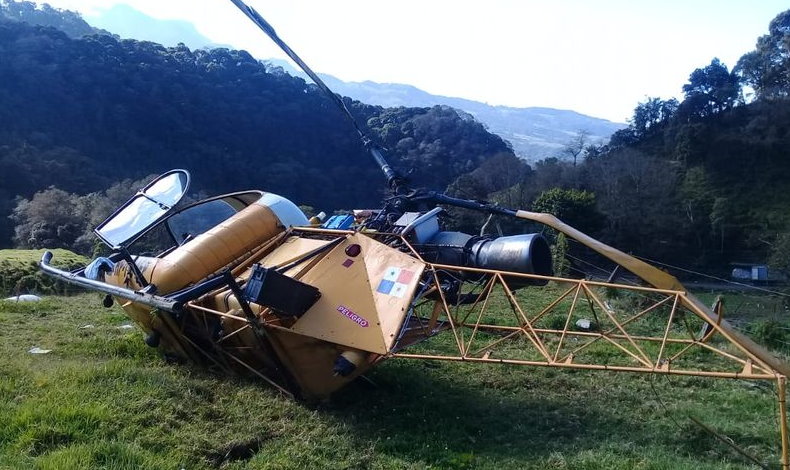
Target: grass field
[102, 399]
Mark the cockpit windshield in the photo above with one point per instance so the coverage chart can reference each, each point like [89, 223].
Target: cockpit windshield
[197, 219]
[181, 226]
[144, 209]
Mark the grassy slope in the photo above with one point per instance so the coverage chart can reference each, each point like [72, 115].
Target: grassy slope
[19, 272]
[102, 399]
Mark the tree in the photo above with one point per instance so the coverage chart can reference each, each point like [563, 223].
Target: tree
[623, 138]
[593, 151]
[711, 89]
[491, 181]
[552, 173]
[780, 253]
[572, 206]
[697, 198]
[637, 195]
[720, 215]
[651, 113]
[576, 145]
[48, 220]
[501, 171]
[54, 218]
[767, 68]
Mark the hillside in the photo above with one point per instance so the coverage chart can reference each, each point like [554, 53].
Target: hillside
[535, 133]
[731, 194]
[81, 114]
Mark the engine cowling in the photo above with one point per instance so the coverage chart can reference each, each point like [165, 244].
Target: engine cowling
[526, 254]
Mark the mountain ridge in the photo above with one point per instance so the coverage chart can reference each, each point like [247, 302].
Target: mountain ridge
[128, 22]
[535, 133]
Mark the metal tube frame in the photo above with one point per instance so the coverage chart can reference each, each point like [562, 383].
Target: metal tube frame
[730, 353]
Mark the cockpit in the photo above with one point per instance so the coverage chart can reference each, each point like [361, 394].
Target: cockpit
[156, 241]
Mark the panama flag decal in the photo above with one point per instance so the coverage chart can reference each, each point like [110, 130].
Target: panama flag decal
[395, 281]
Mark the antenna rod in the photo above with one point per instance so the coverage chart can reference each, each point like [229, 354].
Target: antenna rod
[394, 180]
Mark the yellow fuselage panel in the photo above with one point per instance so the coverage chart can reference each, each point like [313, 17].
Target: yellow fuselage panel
[360, 306]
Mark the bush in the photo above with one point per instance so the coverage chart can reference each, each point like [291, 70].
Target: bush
[771, 333]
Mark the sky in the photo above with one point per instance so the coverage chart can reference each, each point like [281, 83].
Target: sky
[597, 57]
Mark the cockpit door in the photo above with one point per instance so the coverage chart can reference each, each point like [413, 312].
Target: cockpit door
[144, 209]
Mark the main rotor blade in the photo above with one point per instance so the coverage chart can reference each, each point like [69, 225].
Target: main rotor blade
[394, 180]
[269, 30]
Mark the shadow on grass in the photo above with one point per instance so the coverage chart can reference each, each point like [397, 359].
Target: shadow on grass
[444, 414]
[418, 410]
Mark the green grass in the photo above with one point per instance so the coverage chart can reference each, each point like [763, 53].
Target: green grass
[749, 305]
[102, 399]
[764, 317]
[19, 272]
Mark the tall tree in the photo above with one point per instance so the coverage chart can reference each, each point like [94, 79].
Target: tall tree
[711, 89]
[767, 68]
[576, 145]
[572, 206]
[636, 192]
[651, 113]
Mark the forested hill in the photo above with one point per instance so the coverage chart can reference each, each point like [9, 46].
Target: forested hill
[69, 22]
[81, 114]
[707, 188]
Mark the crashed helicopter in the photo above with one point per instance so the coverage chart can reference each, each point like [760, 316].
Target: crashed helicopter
[247, 284]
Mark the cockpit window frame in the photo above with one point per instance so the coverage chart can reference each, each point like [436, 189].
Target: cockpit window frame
[243, 202]
[168, 210]
[243, 198]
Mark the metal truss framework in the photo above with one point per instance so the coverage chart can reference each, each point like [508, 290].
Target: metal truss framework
[667, 334]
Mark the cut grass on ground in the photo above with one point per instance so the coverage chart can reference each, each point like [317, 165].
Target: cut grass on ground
[102, 399]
